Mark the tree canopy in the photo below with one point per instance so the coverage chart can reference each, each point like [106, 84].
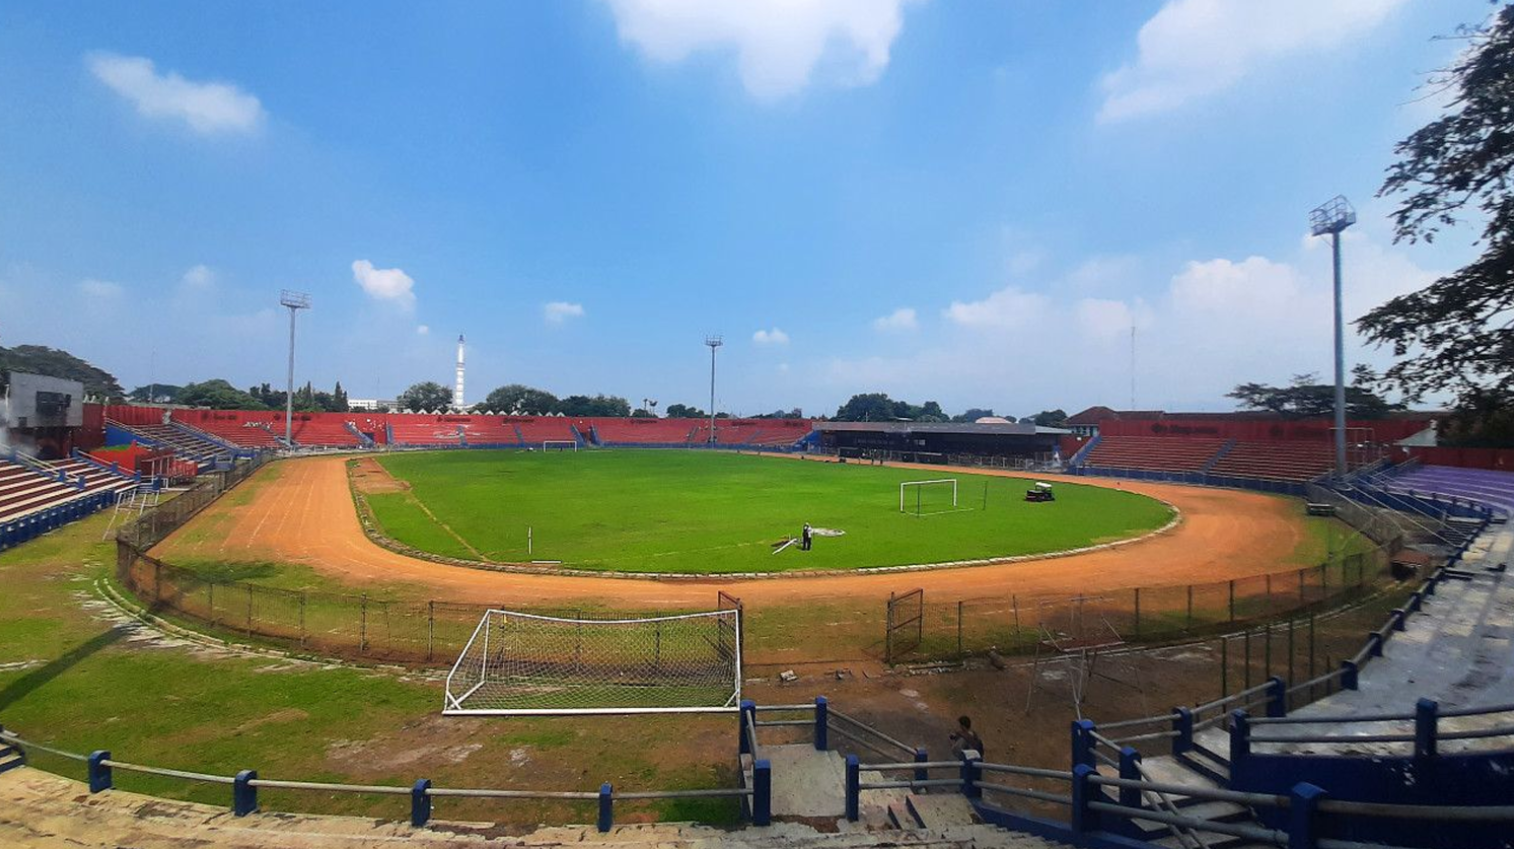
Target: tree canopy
[53, 362]
[684, 411]
[428, 395]
[878, 407]
[218, 394]
[1456, 335]
[598, 405]
[1047, 418]
[975, 413]
[1306, 397]
[156, 393]
[515, 398]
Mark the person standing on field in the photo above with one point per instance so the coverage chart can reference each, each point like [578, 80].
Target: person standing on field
[804, 537]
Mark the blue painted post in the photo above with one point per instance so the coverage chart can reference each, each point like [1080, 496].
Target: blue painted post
[972, 774]
[606, 807]
[1303, 825]
[1416, 601]
[244, 796]
[1375, 639]
[853, 787]
[921, 757]
[748, 711]
[1182, 723]
[1082, 742]
[1240, 738]
[822, 724]
[1348, 674]
[1400, 619]
[420, 803]
[1277, 696]
[1430, 584]
[1426, 717]
[99, 774]
[1130, 769]
[1084, 819]
[762, 792]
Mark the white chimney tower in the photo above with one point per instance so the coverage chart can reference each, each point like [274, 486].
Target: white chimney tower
[457, 393]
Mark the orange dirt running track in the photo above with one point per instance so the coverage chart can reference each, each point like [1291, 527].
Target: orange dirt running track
[307, 516]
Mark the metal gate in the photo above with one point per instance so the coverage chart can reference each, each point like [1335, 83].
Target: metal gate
[906, 623]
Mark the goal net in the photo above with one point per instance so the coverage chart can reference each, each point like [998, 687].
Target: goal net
[523, 664]
[925, 497]
[559, 445]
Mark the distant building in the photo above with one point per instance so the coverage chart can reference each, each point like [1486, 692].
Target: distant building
[369, 404]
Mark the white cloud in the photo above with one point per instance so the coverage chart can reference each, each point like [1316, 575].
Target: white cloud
[207, 107]
[422, 330]
[1007, 308]
[770, 337]
[1193, 48]
[90, 287]
[198, 277]
[902, 318]
[778, 43]
[557, 312]
[384, 284]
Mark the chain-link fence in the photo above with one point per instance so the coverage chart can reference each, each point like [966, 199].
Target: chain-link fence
[1018, 624]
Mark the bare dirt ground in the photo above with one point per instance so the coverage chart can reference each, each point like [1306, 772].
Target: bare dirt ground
[307, 516]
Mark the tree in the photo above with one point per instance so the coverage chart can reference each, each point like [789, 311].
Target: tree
[217, 394]
[599, 405]
[684, 411]
[1047, 418]
[1456, 335]
[53, 362]
[338, 399]
[872, 407]
[428, 395]
[975, 413]
[155, 393]
[781, 413]
[517, 399]
[1305, 397]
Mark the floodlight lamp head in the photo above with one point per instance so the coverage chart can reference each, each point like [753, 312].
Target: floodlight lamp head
[713, 341]
[1332, 216]
[294, 300]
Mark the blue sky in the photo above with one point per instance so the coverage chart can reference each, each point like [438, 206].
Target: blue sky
[964, 202]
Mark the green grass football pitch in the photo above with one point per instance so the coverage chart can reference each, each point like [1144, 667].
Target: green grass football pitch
[715, 512]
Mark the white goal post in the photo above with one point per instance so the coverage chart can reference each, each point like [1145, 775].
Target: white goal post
[524, 664]
[559, 444]
[904, 487]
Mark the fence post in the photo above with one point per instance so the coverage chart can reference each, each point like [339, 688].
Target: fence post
[1425, 718]
[430, 630]
[362, 638]
[822, 723]
[606, 807]
[960, 655]
[853, 790]
[1232, 601]
[1375, 640]
[244, 796]
[1082, 742]
[1130, 770]
[1400, 619]
[1348, 674]
[303, 632]
[762, 792]
[888, 632]
[1240, 737]
[1277, 697]
[1084, 819]
[1182, 723]
[921, 756]
[249, 610]
[748, 714]
[972, 774]
[1303, 808]
[99, 773]
[420, 803]
[1224, 666]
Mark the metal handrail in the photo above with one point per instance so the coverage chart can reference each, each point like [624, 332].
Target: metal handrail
[1239, 694]
[1476, 733]
[1458, 813]
[1211, 794]
[765, 708]
[1315, 681]
[836, 714]
[1124, 723]
[171, 773]
[1154, 735]
[1032, 771]
[1248, 832]
[1331, 738]
[712, 793]
[1324, 720]
[1054, 798]
[27, 744]
[1477, 711]
[895, 785]
[273, 783]
[777, 723]
[861, 741]
[915, 765]
[510, 794]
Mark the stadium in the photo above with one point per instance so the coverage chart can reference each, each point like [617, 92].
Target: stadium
[284, 617]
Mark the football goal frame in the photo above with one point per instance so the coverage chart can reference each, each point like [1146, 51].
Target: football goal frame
[919, 487]
[526, 664]
[559, 444]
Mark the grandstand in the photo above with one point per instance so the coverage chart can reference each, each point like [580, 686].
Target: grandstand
[638, 431]
[1287, 461]
[36, 496]
[246, 434]
[1156, 453]
[481, 431]
[326, 433]
[427, 431]
[535, 431]
[1492, 488]
[205, 452]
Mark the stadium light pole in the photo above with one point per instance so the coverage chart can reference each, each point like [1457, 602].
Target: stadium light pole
[294, 301]
[1332, 217]
[714, 342]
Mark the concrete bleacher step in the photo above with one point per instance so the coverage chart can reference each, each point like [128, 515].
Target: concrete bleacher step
[10, 758]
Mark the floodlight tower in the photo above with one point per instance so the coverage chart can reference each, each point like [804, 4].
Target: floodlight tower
[714, 342]
[295, 301]
[1332, 217]
[457, 391]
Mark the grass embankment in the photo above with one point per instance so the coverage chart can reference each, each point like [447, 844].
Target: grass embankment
[693, 512]
[71, 678]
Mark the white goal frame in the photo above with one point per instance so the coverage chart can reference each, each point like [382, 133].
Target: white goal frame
[903, 486]
[469, 681]
[548, 444]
